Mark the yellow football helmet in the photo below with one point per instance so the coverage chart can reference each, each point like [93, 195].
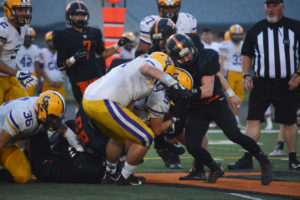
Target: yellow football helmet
[130, 36]
[50, 108]
[9, 7]
[162, 4]
[236, 29]
[184, 78]
[165, 61]
[30, 32]
[227, 36]
[48, 35]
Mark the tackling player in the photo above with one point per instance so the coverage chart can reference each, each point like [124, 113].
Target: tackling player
[185, 23]
[25, 117]
[105, 103]
[12, 32]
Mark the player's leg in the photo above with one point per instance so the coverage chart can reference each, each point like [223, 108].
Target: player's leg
[14, 160]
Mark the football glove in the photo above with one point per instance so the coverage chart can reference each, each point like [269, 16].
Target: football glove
[177, 92]
[26, 79]
[123, 41]
[80, 54]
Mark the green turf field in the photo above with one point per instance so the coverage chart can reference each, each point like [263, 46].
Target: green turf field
[224, 153]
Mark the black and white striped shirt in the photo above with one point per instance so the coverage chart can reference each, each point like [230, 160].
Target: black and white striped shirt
[275, 47]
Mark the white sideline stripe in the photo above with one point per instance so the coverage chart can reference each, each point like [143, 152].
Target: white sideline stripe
[225, 142]
[243, 131]
[244, 196]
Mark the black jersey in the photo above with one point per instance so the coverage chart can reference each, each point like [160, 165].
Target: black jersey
[69, 41]
[206, 64]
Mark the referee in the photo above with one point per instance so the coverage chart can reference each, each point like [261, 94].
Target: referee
[274, 44]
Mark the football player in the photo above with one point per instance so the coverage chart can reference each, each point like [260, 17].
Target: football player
[28, 58]
[77, 47]
[230, 60]
[208, 103]
[25, 117]
[185, 23]
[53, 79]
[105, 102]
[12, 32]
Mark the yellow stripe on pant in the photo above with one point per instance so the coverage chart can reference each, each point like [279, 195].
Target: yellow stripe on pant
[14, 160]
[235, 80]
[10, 88]
[117, 122]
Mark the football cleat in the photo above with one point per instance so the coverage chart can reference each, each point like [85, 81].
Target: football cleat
[266, 172]
[214, 175]
[195, 174]
[242, 163]
[109, 178]
[294, 165]
[131, 180]
[277, 152]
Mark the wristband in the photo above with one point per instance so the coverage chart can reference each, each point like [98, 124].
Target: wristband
[72, 60]
[246, 75]
[116, 46]
[230, 92]
[197, 92]
[168, 80]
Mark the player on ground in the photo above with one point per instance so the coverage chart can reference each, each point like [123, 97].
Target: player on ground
[27, 116]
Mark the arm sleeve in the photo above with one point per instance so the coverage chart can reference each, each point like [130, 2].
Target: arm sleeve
[193, 22]
[248, 45]
[145, 27]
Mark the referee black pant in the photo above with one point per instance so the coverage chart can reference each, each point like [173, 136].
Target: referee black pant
[198, 124]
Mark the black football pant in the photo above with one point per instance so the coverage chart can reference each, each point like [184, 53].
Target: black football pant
[198, 124]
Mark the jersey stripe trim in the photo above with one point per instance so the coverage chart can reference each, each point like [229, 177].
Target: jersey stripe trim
[13, 121]
[3, 38]
[149, 61]
[152, 110]
[128, 124]
[145, 42]
[11, 126]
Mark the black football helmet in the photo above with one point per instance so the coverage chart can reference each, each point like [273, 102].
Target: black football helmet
[75, 8]
[179, 46]
[163, 28]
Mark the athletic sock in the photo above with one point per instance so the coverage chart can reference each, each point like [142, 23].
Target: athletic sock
[280, 145]
[111, 167]
[237, 119]
[292, 156]
[127, 170]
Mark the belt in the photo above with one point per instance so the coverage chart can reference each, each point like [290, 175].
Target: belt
[207, 101]
[273, 79]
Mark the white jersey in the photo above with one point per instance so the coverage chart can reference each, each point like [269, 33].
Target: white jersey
[11, 41]
[213, 45]
[124, 83]
[232, 54]
[186, 23]
[48, 61]
[18, 118]
[125, 54]
[26, 57]
[156, 105]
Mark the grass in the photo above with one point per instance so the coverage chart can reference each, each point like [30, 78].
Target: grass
[224, 153]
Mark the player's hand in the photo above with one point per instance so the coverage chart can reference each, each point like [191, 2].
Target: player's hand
[80, 54]
[26, 79]
[177, 92]
[235, 101]
[123, 41]
[247, 83]
[294, 82]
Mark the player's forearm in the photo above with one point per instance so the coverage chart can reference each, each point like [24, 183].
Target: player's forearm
[6, 69]
[70, 136]
[221, 61]
[37, 70]
[109, 51]
[246, 64]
